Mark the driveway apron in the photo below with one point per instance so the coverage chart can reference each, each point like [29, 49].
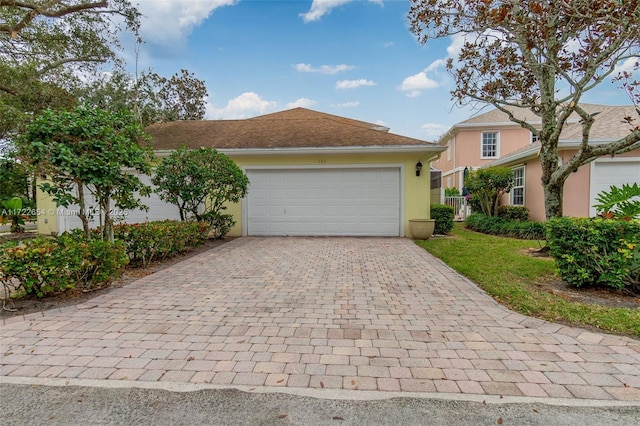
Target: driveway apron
[376, 314]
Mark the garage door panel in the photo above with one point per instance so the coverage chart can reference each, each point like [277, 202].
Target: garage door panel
[612, 173]
[362, 201]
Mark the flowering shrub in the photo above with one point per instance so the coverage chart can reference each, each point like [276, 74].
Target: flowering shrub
[45, 265]
[149, 241]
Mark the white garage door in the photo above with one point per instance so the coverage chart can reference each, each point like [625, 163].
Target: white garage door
[356, 201]
[612, 173]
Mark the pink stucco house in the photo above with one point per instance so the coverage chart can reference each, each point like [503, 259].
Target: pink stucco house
[491, 139]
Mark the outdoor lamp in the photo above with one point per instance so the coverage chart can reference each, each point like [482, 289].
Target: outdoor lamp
[418, 168]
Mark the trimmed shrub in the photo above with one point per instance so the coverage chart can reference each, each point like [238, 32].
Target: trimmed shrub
[451, 192]
[594, 251]
[219, 224]
[444, 218]
[99, 261]
[44, 266]
[513, 212]
[149, 241]
[494, 225]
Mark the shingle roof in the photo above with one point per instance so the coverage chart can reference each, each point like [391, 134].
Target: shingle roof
[296, 128]
[608, 123]
[495, 116]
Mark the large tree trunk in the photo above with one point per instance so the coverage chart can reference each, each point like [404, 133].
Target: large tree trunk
[553, 199]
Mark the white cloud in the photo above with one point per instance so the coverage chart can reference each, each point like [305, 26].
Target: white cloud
[347, 104]
[324, 69]
[433, 129]
[169, 22]
[352, 84]
[437, 64]
[248, 104]
[319, 8]
[301, 102]
[457, 42]
[630, 65]
[388, 44]
[414, 84]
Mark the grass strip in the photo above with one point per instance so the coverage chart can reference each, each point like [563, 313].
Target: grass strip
[500, 267]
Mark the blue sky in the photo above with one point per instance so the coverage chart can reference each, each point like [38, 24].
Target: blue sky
[353, 58]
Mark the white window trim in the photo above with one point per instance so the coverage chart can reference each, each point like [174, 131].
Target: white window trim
[524, 186]
[532, 136]
[482, 157]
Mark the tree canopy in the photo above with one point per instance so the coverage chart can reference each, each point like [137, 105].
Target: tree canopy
[151, 97]
[89, 149]
[44, 44]
[541, 56]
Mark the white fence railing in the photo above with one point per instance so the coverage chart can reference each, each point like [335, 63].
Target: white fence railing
[460, 208]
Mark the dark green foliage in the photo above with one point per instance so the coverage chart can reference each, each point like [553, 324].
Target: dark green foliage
[14, 179]
[593, 251]
[149, 241]
[444, 218]
[495, 225]
[513, 212]
[12, 211]
[151, 98]
[474, 203]
[620, 203]
[451, 192]
[219, 224]
[48, 46]
[89, 149]
[487, 185]
[201, 178]
[45, 265]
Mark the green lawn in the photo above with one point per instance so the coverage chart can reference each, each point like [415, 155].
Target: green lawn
[499, 266]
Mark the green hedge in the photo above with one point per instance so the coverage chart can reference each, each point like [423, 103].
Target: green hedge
[46, 265]
[595, 251]
[444, 218]
[495, 225]
[149, 241]
[513, 212]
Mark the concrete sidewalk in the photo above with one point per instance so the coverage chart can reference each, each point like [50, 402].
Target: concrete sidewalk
[377, 314]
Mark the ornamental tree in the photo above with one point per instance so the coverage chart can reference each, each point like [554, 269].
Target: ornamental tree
[487, 187]
[89, 150]
[541, 56]
[200, 183]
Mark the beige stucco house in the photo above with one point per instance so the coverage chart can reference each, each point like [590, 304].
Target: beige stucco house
[310, 173]
[491, 139]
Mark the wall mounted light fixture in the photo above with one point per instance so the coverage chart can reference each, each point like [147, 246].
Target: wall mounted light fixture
[418, 168]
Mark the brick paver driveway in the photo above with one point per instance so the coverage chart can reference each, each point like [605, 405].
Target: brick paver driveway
[351, 313]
